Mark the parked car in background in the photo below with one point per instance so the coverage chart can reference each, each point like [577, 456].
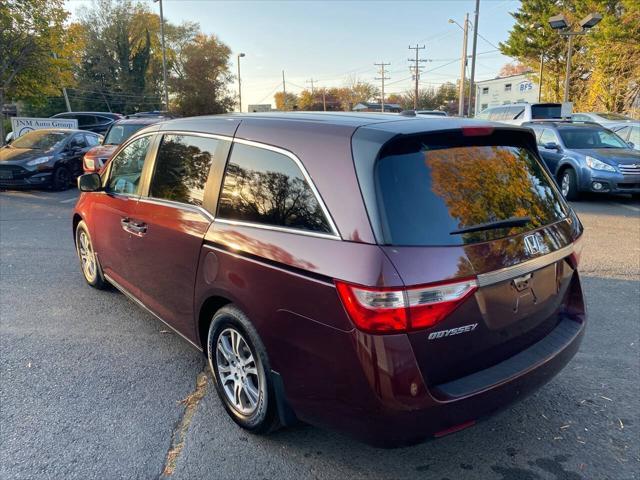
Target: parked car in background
[47, 157]
[118, 132]
[586, 157]
[629, 132]
[98, 122]
[603, 118]
[432, 301]
[438, 113]
[518, 113]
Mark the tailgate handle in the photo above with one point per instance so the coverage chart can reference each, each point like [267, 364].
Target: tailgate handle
[522, 282]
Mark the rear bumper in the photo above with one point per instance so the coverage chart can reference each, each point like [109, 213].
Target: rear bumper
[385, 401]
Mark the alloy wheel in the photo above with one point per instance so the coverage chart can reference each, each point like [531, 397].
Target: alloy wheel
[238, 371]
[565, 184]
[87, 256]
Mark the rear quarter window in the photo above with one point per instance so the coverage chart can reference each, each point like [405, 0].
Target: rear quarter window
[428, 190]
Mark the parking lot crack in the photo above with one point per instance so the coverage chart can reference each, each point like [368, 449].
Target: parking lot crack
[178, 436]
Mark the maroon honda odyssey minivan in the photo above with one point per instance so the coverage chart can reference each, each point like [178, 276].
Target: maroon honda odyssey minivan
[393, 278]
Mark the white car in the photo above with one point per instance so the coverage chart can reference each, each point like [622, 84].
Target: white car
[629, 132]
[518, 113]
[603, 118]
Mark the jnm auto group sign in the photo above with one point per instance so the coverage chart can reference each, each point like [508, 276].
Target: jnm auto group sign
[22, 125]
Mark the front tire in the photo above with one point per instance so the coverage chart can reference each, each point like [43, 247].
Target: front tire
[61, 178]
[569, 184]
[240, 367]
[89, 264]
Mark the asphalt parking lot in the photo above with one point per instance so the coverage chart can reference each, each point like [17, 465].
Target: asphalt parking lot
[93, 387]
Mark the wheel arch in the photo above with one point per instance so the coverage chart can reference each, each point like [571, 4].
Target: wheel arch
[209, 307]
[76, 220]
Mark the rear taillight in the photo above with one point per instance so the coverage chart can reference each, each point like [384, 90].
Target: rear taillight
[578, 245]
[396, 309]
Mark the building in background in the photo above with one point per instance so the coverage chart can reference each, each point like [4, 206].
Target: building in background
[259, 107]
[505, 90]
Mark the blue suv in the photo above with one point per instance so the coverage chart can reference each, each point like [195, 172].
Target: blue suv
[586, 157]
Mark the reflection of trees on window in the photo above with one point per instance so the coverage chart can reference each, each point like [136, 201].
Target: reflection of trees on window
[270, 193]
[127, 167]
[182, 168]
[484, 184]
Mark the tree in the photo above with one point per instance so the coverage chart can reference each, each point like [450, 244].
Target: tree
[509, 69]
[604, 63]
[288, 103]
[201, 79]
[31, 36]
[115, 68]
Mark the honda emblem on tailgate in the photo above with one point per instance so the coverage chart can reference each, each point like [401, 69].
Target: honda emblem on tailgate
[534, 244]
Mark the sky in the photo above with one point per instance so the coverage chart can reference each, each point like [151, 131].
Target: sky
[333, 41]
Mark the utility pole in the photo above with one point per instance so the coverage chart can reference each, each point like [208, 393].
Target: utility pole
[64, 90]
[240, 55]
[540, 75]
[382, 78]
[473, 57]
[416, 69]
[324, 100]
[284, 92]
[164, 58]
[463, 66]
[311, 81]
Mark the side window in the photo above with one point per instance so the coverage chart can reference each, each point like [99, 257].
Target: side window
[262, 186]
[85, 120]
[182, 168]
[635, 136]
[92, 140]
[580, 118]
[78, 141]
[548, 136]
[126, 167]
[497, 113]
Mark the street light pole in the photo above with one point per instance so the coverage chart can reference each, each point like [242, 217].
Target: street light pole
[559, 23]
[164, 58]
[540, 76]
[240, 55]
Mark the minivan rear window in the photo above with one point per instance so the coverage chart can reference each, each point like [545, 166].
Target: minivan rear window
[427, 191]
[546, 111]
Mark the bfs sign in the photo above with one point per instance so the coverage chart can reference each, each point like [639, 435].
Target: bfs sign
[22, 125]
[525, 86]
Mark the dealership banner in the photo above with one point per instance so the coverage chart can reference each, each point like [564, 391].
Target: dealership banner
[22, 125]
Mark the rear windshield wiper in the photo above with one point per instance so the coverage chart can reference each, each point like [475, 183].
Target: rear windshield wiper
[509, 222]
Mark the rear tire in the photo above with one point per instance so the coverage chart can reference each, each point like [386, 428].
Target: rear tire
[61, 178]
[89, 264]
[240, 368]
[569, 184]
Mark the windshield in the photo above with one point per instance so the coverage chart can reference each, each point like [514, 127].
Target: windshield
[429, 194]
[119, 133]
[553, 110]
[612, 116]
[40, 140]
[583, 138]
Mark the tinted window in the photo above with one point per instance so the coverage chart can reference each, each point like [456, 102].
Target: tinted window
[85, 120]
[581, 138]
[546, 111]
[126, 167]
[428, 190]
[263, 186]
[182, 168]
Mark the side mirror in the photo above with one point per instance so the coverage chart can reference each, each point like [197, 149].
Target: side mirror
[89, 182]
[631, 144]
[551, 146]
